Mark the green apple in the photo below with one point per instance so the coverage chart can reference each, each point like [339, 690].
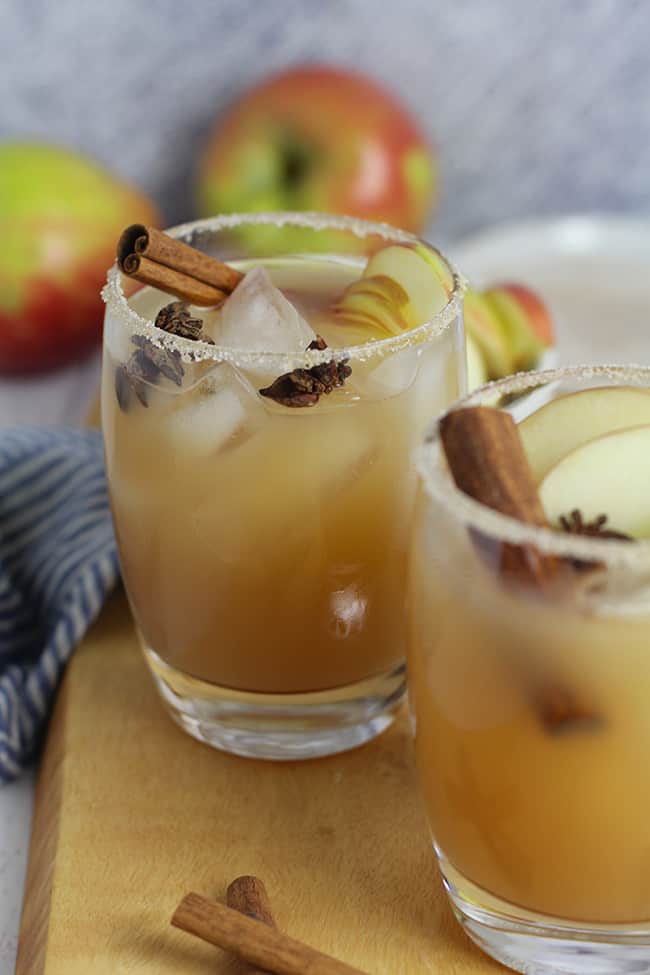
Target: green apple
[565, 423]
[609, 475]
[317, 138]
[60, 218]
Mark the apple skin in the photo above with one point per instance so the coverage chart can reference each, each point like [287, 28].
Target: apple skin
[319, 138]
[60, 218]
[511, 326]
[538, 319]
[526, 322]
[485, 327]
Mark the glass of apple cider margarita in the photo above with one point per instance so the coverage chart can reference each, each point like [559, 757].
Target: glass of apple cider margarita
[261, 475]
[531, 700]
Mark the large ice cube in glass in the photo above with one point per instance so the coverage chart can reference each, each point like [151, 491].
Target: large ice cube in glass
[257, 317]
[223, 411]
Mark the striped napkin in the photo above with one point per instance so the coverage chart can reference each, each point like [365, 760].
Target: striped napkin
[58, 562]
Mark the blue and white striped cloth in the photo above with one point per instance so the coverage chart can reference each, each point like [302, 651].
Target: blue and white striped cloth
[58, 561]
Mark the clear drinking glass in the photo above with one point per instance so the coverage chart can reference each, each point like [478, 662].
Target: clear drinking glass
[531, 714]
[264, 549]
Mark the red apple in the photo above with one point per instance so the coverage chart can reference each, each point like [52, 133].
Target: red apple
[60, 218]
[319, 138]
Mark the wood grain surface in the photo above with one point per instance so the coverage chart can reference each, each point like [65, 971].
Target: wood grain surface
[132, 813]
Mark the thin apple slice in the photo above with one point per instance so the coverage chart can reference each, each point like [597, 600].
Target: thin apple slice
[526, 347]
[476, 369]
[606, 476]
[484, 326]
[378, 302]
[417, 276]
[568, 421]
[439, 265]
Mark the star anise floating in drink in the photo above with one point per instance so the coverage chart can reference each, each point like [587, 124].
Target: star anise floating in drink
[304, 387]
[149, 362]
[177, 319]
[575, 524]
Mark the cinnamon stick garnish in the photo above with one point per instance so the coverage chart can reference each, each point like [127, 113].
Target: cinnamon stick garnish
[488, 462]
[256, 943]
[153, 257]
[248, 896]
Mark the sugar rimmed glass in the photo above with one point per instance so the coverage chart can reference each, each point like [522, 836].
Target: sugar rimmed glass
[531, 719]
[264, 548]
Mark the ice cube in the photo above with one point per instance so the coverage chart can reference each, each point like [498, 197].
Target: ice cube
[258, 317]
[220, 412]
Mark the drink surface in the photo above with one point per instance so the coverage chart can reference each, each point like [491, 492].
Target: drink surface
[532, 718]
[264, 547]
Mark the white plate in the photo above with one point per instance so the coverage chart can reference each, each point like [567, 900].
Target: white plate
[592, 271]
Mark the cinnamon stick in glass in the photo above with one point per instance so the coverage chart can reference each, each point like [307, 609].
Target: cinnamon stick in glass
[155, 258]
[488, 462]
[256, 943]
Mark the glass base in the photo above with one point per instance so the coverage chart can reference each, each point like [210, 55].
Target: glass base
[280, 727]
[539, 944]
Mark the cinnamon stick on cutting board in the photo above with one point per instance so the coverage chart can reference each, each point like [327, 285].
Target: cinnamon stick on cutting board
[256, 943]
[248, 895]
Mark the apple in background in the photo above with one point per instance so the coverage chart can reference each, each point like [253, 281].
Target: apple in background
[511, 326]
[319, 138]
[60, 218]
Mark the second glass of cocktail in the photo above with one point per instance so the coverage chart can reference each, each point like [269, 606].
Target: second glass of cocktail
[260, 474]
[529, 666]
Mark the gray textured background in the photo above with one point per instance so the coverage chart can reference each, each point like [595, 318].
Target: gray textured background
[538, 106]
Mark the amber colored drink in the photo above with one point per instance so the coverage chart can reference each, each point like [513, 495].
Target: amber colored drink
[264, 548]
[532, 724]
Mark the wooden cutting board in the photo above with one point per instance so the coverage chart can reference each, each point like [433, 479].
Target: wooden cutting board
[131, 814]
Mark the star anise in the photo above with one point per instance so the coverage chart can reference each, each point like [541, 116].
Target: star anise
[575, 524]
[304, 387]
[176, 319]
[149, 362]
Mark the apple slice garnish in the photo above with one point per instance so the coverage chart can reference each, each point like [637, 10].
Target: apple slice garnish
[564, 423]
[606, 476]
[378, 303]
[484, 327]
[526, 321]
[417, 275]
[398, 290]
[476, 368]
